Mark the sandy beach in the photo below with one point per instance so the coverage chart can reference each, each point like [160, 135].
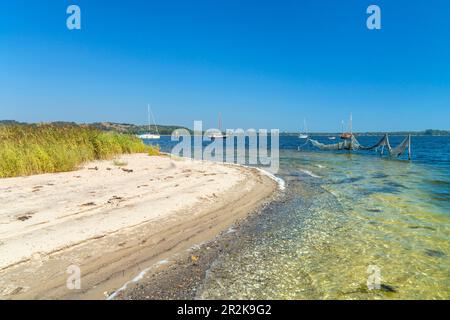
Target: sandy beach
[114, 220]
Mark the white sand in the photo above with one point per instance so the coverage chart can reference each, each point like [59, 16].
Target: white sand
[49, 213]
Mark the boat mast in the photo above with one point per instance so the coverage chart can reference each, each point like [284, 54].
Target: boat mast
[148, 117]
[350, 124]
[220, 122]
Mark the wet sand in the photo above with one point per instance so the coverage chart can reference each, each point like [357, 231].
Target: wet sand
[116, 221]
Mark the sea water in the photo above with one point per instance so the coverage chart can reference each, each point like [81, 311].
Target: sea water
[342, 216]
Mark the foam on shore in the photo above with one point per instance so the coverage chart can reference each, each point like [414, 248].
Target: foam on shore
[281, 183]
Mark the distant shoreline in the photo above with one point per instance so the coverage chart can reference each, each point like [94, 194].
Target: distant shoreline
[166, 130]
[442, 133]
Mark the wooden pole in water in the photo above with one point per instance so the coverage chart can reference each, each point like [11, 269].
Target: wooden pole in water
[382, 147]
[409, 146]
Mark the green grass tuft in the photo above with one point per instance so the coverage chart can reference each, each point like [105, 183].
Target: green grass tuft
[35, 149]
[154, 151]
[120, 163]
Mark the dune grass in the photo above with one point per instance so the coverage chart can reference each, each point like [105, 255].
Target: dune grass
[154, 151]
[35, 149]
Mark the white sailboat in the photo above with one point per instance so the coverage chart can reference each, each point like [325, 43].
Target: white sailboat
[149, 135]
[218, 135]
[305, 130]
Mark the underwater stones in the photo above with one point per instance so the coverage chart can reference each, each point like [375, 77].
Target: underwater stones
[391, 188]
[350, 180]
[422, 227]
[439, 182]
[387, 288]
[397, 185]
[380, 176]
[434, 253]
[362, 288]
[441, 196]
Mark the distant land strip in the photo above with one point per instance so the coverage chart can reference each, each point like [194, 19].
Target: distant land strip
[109, 126]
[168, 129]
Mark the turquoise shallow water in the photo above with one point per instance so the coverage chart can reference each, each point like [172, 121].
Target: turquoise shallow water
[340, 215]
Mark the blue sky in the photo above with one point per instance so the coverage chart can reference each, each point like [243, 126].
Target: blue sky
[262, 64]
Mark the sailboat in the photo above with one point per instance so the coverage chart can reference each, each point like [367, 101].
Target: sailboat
[347, 135]
[218, 135]
[305, 134]
[149, 135]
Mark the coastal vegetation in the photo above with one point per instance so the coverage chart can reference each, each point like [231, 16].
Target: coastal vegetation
[112, 126]
[46, 148]
[135, 129]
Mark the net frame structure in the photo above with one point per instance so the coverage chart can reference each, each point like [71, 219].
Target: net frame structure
[352, 144]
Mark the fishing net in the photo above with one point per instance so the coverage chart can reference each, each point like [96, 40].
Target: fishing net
[347, 144]
[353, 144]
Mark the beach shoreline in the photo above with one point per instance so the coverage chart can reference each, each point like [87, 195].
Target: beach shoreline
[183, 278]
[116, 221]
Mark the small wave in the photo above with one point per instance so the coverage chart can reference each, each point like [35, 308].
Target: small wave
[309, 173]
[231, 230]
[137, 278]
[280, 181]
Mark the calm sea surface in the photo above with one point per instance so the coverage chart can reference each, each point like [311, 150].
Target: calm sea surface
[342, 217]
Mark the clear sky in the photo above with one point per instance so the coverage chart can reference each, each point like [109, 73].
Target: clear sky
[262, 64]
